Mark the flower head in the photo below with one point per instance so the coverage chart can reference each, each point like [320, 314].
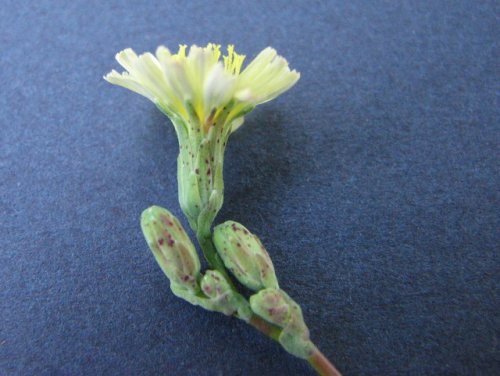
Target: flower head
[198, 86]
[206, 96]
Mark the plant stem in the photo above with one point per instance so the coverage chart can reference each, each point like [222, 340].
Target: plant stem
[322, 365]
[213, 258]
[263, 326]
[317, 360]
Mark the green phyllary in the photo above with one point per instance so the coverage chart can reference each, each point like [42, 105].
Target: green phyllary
[245, 256]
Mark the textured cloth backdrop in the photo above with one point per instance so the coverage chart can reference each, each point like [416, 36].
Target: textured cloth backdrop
[373, 183]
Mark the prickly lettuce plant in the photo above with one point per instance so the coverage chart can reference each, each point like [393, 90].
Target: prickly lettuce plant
[206, 99]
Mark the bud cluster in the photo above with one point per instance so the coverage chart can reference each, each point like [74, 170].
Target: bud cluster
[177, 257]
[246, 258]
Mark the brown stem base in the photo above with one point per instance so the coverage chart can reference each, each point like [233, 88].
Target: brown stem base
[322, 365]
[263, 326]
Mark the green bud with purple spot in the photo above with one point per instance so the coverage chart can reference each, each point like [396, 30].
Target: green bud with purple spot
[245, 256]
[276, 307]
[221, 297]
[172, 248]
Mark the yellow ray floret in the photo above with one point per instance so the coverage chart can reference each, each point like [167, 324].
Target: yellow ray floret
[200, 81]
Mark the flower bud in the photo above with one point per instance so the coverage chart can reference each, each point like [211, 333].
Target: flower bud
[245, 256]
[217, 289]
[278, 308]
[272, 305]
[221, 297]
[171, 247]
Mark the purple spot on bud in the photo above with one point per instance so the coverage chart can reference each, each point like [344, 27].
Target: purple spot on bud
[170, 241]
[161, 241]
[166, 221]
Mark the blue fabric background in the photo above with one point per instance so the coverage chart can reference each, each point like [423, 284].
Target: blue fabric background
[373, 183]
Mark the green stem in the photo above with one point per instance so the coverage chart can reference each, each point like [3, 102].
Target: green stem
[213, 258]
[317, 360]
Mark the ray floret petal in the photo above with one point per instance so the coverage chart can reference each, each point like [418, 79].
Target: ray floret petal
[201, 82]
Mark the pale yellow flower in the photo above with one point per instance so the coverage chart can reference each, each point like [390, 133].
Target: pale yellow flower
[199, 84]
[206, 96]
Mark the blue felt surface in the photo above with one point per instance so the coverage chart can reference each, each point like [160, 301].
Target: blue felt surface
[373, 183]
